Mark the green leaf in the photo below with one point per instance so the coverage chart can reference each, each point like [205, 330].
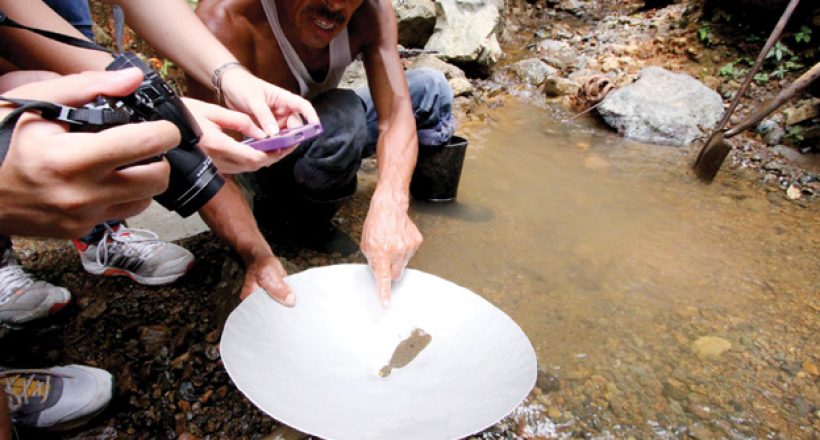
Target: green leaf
[803, 35]
[761, 77]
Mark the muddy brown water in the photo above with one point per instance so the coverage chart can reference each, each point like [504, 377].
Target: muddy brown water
[614, 260]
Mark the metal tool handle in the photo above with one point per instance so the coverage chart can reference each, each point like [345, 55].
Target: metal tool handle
[787, 93]
[775, 35]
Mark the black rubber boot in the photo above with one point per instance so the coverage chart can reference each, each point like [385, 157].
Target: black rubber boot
[295, 222]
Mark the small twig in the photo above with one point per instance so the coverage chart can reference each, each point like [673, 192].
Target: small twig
[578, 115]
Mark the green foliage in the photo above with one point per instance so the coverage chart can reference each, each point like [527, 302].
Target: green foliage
[166, 65]
[779, 51]
[795, 133]
[733, 70]
[727, 70]
[803, 35]
[779, 61]
[705, 35]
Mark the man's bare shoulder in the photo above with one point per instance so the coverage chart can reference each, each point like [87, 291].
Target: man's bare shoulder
[373, 20]
[372, 24]
[229, 20]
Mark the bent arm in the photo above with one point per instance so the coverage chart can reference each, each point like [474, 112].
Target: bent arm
[177, 34]
[174, 30]
[230, 218]
[397, 145]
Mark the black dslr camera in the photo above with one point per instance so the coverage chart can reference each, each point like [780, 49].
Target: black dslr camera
[194, 178]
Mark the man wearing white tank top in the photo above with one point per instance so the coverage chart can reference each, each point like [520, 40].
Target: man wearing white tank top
[304, 46]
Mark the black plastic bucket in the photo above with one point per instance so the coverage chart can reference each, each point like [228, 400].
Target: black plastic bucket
[438, 170]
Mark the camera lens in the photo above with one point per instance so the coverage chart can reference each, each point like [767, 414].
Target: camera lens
[193, 181]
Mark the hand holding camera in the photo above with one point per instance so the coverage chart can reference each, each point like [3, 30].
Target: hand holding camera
[194, 179]
[70, 182]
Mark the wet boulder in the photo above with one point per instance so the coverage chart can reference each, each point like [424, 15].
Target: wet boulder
[533, 71]
[558, 86]
[416, 20]
[466, 33]
[662, 107]
[557, 53]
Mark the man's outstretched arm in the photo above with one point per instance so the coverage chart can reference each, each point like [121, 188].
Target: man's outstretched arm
[389, 238]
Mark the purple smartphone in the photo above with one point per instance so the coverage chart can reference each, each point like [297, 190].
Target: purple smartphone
[286, 138]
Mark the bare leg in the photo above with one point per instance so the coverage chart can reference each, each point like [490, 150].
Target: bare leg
[5, 419]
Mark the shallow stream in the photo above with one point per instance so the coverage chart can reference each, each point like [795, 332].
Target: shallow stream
[615, 260]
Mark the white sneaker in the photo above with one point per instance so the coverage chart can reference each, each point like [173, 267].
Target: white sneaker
[136, 253]
[57, 398]
[24, 298]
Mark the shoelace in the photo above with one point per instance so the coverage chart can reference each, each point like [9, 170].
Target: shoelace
[31, 386]
[144, 239]
[12, 279]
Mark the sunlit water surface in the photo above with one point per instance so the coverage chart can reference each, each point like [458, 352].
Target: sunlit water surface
[614, 260]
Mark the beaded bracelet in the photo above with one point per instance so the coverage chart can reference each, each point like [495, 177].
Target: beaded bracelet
[216, 78]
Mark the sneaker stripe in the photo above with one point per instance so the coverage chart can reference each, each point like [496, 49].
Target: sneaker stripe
[130, 264]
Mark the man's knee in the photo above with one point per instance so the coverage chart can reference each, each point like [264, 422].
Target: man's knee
[340, 110]
[432, 105]
[344, 123]
[430, 86]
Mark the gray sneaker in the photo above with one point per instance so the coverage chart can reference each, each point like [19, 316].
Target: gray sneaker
[136, 253]
[57, 398]
[24, 298]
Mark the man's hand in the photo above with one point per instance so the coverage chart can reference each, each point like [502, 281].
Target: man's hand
[59, 184]
[230, 156]
[389, 241]
[272, 106]
[268, 273]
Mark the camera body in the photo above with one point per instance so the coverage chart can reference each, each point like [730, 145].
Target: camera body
[194, 178]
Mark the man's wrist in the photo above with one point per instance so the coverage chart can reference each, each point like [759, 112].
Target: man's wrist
[255, 252]
[386, 193]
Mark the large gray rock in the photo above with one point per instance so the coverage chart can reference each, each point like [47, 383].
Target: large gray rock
[465, 32]
[416, 20]
[662, 107]
[557, 53]
[533, 71]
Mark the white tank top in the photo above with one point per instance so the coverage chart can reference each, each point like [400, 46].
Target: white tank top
[339, 56]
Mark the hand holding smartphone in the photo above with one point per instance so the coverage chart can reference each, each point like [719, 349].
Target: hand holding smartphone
[286, 138]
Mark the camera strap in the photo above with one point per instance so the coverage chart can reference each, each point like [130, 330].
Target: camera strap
[55, 112]
[56, 36]
[52, 111]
